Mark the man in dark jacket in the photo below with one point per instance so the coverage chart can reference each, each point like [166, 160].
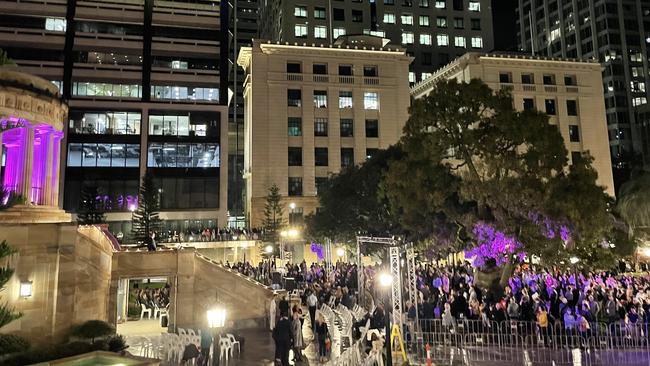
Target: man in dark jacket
[283, 338]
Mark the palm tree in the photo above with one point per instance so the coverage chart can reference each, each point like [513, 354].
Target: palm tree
[633, 204]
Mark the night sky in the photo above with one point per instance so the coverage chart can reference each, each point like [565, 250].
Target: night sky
[505, 30]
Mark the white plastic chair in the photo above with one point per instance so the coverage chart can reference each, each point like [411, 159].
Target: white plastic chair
[234, 342]
[226, 348]
[164, 313]
[156, 311]
[145, 310]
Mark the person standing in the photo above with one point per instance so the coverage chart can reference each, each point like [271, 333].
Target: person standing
[296, 329]
[312, 302]
[322, 334]
[151, 243]
[283, 337]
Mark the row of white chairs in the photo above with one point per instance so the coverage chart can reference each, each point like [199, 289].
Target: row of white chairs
[330, 320]
[355, 356]
[346, 321]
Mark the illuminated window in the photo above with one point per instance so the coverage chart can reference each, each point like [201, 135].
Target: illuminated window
[407, 19]
[474, 6]
[425, 39]
[460, 42]
[300, 30]
[477, 42]
[339, 32]
[371, 100]
[55, 24]
[320, 32]
[407, 38]
[389, 18]
[424, 20]
[442, 39]
[300, 12]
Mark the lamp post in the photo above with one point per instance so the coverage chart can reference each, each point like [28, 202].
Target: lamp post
[269, 252]
[216, 322]
[287, 234]
[385, 282]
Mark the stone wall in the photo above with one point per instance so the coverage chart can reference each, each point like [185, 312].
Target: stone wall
[70, 275]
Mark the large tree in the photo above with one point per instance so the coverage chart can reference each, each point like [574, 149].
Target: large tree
[273, 214]
[500, 175]
[353, 202]
[91, 206]
[145, 219]
[7, 314]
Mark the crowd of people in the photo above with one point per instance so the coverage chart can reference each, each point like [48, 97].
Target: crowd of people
[152, 297]
[544, 298]
[211, 234]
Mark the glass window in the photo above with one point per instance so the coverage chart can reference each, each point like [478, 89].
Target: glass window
[574, 133]
[320, 183]
[345, 70]
[319, 69]
[182, 155]
[370, 71]
[320, 127]
[295, 156]
[300, 11]
[89, 155]
[505, 77]
[320, 32]
[294, 67]
[424, 3]
[527, 79]
[371, 100]
[370, 153]
[529, 104]
[320, 156]
[345, 99]
[88, 89]
[411, 77]
[458, 23]
[357, 16]
[106, 123]
[570, 80]
[338, 32]
[55, 24]
[319, 13]
[184, 93]
[295, 126]
[132, 155]
[442, 39]
[347, 127]
[441, 4]
[407, 19]
[295, 186]
[441, 22]
[477, 42]
[425, 39]
[424, 20]
[425, 75]
[572, 107]
[294, 98]
[300, 30]
[372, 128]
[460, 42]
[407, 38]
[475, 24]
[550, 106]
[320, 98]
[75, 151]
[474, 6]
[347, 157]
[548, 79]
[338, 14]
[389, 18]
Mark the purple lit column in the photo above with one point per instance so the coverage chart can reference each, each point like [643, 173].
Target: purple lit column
[17, 142]
[55, 154]
[40, 163]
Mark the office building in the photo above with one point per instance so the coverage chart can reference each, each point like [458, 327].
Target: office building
[147, 87]
[311, 111]
[433, 32]
[568, 91]
[613, 32]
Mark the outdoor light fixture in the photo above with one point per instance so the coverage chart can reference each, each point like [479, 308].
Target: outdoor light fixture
[216, 317]
[574, 260]
[385, 279]
[340, 252]
[132, 207]
[268, 249]
[292, 233]
[26, 289]
[292, 205]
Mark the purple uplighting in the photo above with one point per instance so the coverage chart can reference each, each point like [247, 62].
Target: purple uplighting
[318, 249]
[492, 244]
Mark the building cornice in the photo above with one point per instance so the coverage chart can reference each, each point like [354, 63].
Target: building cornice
[332, 50]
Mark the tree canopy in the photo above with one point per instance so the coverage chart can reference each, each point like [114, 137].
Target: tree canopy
[145, 219]
[472, 171]
[273, 213]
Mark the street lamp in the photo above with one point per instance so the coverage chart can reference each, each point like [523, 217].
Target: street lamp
[340, 252]
[386, 281]
[292, 205]
[574, 260]
[216, 322]
[268, 249]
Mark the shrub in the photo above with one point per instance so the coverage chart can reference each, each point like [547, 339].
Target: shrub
[11, 343]
[93, 329]
[116, 343]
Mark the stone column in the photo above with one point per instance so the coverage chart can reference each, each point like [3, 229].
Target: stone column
[48, 155]
[53, 182]
[25, 186]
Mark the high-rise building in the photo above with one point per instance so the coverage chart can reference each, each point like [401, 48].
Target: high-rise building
[147, 86]
[311, 111]
[614, 32]
[568, 91]
[434, 32]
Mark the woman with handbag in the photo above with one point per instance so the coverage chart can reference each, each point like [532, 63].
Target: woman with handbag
[324, 341]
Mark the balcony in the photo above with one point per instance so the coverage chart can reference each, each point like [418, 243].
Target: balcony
[550, 89]
[572, 89]
[32, 38]
[346, 79]
[186, 14]
[321, 78]
[188, 47]
[371, 80]
[529, 87]
[294, 77]
[111, 10]
[108, 42]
